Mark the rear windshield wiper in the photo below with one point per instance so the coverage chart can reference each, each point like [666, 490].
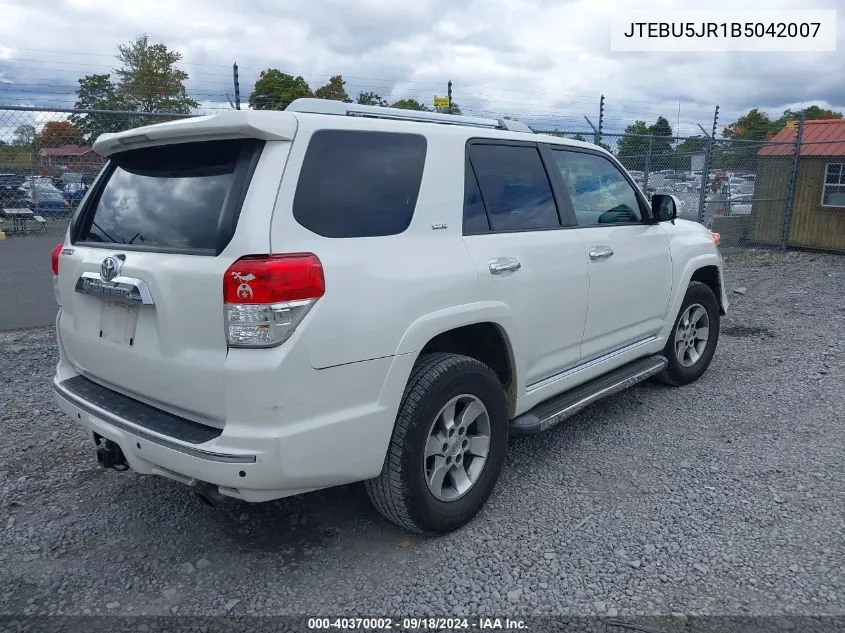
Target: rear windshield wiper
[114, 241]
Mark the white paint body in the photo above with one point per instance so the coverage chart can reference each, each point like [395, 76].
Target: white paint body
[319, 410]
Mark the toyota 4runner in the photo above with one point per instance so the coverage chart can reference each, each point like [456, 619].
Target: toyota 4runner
[261, 304]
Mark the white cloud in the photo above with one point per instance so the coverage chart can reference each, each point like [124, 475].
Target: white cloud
[544, 60]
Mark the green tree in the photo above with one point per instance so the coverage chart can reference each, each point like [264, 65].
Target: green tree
[409, 104]
[334, 90]
[371, 98]
[754, 125]
[811, 113]
[692, 145]
[662, 132]
[686, 149]
[24, 135]
[97, 92]
[578, 137]
[275, 90]
[149, 80]
[454, 108]
[632, 147]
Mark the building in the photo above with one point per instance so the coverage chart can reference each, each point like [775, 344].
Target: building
[70, 157]
[818, 218]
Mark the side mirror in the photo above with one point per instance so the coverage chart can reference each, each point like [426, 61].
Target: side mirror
[664, 207]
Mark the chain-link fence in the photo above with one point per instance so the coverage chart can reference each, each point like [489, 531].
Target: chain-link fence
[787, 191]
[47, 161]
[784, 192]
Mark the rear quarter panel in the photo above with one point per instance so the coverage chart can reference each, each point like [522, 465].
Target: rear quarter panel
[377, 287]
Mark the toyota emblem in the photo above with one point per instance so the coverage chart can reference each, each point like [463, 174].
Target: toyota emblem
[110, 268]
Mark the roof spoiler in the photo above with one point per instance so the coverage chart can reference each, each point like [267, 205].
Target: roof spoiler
[264, 125]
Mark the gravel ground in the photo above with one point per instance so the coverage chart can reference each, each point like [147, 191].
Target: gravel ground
[724, 497]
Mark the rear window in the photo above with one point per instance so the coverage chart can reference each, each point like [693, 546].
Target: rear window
[183, 197]
[359, 184]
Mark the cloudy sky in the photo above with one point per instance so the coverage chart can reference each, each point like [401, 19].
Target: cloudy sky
[545, 61]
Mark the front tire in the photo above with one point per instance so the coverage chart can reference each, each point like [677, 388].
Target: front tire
[693, 338]
[447, 448]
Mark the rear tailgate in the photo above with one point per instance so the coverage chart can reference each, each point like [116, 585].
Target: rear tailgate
[141, 283]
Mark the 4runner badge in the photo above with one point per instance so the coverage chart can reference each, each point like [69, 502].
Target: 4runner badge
[244, 291]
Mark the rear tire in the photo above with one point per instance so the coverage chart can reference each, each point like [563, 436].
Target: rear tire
[421, 487]
[693, 338]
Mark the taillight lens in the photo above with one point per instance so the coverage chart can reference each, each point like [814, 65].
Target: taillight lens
[55, 258]
[266, 296]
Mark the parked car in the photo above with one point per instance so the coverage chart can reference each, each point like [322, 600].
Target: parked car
[38, 182]
[286, 301]
[9, 184]
[75, 191]
[11, 181]
[15, 200]
[743, 188]
[46, 200]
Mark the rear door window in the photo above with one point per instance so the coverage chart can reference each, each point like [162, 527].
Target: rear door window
[359, 183]
[183, 197]
[514, 187]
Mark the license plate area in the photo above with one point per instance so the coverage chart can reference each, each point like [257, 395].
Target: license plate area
[118, 322]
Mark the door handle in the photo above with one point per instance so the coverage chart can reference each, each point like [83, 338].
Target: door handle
[600, 252]
[504, 265]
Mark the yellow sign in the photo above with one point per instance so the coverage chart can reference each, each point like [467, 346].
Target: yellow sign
[441, 102]
[792, 125]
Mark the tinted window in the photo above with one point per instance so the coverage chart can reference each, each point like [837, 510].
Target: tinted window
[167, 197]
[514, 187]
[359, 184]
[475, 216]
[599, 192]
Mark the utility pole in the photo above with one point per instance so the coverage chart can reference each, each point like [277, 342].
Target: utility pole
[601, 120]
[708, 159]
[449, 95]
[237, 86]
[790, 205]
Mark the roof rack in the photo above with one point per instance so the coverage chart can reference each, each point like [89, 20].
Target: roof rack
[338, 108]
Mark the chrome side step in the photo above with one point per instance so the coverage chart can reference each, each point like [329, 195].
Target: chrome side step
[549, 413]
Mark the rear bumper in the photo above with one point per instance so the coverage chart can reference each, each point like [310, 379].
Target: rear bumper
[251, 462]
[149, 453]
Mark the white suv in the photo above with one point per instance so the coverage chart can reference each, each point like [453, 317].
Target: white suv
[261, 304]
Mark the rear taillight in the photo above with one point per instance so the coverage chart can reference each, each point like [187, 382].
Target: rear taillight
[266, 296]
[55, 258]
